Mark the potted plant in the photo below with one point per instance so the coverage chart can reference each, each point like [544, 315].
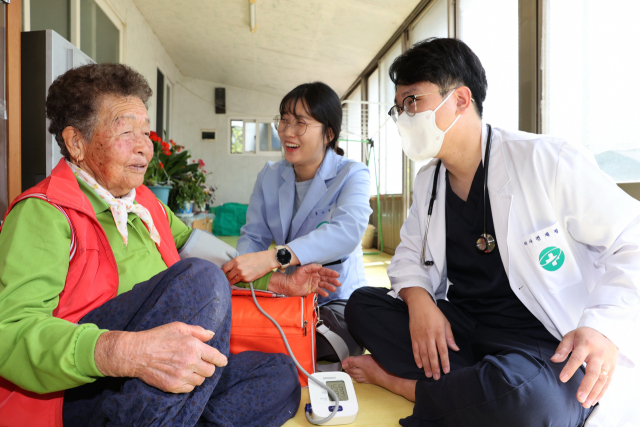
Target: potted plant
[168, 160]
[190, 190]
[176, 182]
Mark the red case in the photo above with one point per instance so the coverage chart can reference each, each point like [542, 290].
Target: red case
[297, 316]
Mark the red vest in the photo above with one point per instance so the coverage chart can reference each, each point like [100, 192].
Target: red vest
[91, 281]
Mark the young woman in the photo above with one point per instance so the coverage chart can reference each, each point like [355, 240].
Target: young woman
[314, 203]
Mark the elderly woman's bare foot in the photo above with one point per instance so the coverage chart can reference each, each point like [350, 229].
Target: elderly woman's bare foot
[365, 369]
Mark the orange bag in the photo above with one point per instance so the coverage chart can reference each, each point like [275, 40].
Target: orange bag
[297, 316]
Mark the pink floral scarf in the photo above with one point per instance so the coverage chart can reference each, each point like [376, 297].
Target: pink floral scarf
[120, 207]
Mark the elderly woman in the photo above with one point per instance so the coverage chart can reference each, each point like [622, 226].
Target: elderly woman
[101, 323]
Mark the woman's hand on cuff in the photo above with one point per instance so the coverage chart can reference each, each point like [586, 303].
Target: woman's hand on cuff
[251, 266]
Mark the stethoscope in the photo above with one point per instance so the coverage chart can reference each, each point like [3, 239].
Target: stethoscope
[485, 243]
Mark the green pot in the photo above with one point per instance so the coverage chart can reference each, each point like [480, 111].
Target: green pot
[161, 192]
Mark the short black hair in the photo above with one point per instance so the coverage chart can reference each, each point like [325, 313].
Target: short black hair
[445, 62]
[74, 97]
[320, 102]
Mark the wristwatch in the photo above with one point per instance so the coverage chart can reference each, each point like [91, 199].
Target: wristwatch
[283, 256]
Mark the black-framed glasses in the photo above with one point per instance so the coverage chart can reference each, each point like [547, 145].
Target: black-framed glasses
[298, 127]
[410, 105]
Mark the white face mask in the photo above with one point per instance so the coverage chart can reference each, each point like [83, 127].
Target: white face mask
[421, 137]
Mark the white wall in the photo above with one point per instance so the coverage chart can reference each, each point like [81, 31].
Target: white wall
[142, 50]
[193, 107]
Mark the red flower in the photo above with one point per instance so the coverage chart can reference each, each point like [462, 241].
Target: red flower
[172, 143]
[201, 163]
[161, 165]
[165, 146]
[167, 152]
[154, 136]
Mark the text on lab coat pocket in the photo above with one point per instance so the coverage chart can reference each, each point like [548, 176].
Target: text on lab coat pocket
[320, 216]
[553, 265]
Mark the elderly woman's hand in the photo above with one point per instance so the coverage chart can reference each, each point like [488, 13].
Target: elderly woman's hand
[172, 357]
[305, 280]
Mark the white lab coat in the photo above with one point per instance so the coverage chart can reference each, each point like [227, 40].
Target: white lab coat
[543, 193]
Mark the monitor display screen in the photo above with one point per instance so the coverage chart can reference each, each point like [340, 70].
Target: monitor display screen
[339, 388]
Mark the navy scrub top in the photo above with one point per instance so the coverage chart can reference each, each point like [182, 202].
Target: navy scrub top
[480, 283]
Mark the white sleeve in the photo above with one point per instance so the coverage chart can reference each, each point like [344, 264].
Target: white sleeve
[406, 269]
[599, 214]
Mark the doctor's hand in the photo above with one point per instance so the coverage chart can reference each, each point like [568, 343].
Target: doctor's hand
[431, 334]
[305, 280]
[600, 354]
[249, 267]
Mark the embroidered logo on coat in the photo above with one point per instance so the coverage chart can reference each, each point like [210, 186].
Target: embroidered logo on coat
[551, 258]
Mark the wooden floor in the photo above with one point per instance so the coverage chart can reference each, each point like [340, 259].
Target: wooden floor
[377, 408]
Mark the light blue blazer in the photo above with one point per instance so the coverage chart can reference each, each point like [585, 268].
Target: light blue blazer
[329, 224]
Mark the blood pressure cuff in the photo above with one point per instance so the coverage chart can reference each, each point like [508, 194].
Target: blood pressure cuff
[208, 247]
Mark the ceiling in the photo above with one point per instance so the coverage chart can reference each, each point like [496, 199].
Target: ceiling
[296, 41]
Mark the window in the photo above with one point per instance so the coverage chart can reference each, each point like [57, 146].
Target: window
[390, 145]
[237, 137]
[167, 110]
[590, 70]
[250, 136]
[91, 25]
[490, 28]
[269, 138]
[48, 15]
[373, 124]
[434, 23]
[99, 37]
[352, 126]
[163, 106]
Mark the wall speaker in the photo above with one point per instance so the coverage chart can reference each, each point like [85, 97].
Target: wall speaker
[220, 100]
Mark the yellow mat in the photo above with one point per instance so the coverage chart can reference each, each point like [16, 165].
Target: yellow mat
[377, 408]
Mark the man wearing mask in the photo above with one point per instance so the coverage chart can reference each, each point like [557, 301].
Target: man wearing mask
[516, 285]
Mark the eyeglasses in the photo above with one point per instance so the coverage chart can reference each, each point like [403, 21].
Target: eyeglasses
[298, 127]
[410, 105]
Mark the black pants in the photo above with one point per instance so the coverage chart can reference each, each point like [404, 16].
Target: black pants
[498, 378]
[332, 314]
[254, 389]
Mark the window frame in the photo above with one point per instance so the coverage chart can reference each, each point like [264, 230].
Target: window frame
[166, 84]
[74, 22]
[257, 152]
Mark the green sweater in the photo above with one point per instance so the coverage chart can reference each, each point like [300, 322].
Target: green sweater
[39, 352]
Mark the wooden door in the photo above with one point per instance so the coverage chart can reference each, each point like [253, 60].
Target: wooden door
[10, 141]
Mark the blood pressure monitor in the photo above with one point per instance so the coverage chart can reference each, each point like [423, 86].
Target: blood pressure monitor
[322, 404]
